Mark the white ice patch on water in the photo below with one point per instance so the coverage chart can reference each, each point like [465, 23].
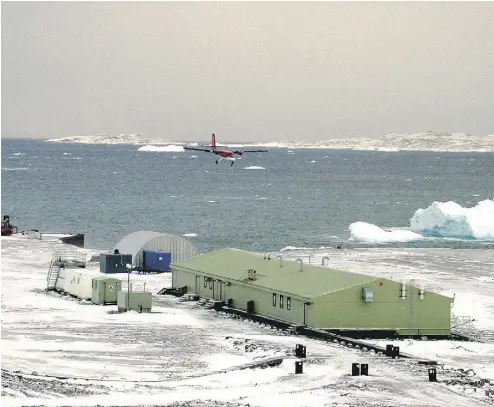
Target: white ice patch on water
[189, 235]
[255, 167]
[15, 169]
[448, 219]
[172, 148]
[19, 154]
[369, 233]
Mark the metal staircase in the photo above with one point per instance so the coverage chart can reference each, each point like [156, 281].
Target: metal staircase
[463, 326]
[60, 261]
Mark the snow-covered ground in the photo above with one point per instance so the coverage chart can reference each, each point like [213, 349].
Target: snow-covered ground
[182, 352]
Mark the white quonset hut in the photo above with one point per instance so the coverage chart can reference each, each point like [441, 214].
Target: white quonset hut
[135, 243]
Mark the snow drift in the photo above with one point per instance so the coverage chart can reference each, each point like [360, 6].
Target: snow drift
[448, 219]
[172, 148]
[369, 233]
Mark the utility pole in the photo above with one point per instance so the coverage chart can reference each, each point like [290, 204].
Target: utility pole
[411, 308]
[129, 269]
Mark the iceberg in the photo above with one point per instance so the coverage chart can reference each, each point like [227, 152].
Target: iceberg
[369, 233]
[162, 149]
[448, 219]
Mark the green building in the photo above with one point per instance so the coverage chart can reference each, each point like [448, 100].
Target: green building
[311, 295]
[105, 290]
[140, 301]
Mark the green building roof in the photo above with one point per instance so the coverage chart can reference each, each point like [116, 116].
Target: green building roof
[313, 281]
[109, 277]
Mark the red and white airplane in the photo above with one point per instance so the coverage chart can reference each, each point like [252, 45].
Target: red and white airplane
[223, 154]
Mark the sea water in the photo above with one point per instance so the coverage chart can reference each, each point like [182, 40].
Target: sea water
[265, 202]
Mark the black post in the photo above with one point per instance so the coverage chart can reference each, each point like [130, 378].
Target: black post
[432, 374]
[355, 369]
[128, 291]
[396, 351]
[299, 367]
[389, 350]
[364, 369]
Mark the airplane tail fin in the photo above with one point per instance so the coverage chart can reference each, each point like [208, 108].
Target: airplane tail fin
[213, 142]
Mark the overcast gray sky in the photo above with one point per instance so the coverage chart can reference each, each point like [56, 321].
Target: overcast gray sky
[247, 71]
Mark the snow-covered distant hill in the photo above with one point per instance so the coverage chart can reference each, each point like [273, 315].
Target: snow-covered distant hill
[110, 139]
[429, 141]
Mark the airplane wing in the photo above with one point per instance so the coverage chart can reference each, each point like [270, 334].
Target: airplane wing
[197, 149]
[250, 151]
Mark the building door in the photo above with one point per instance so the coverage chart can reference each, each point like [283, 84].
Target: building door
[216, 290]
[198, 281]
[221, 290]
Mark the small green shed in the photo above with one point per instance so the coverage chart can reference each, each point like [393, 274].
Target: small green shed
[140, 301]
[105, 290]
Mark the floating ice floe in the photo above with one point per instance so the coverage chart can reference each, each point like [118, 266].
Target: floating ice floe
[15, 169]
[448, 219]
[172, 148]
[369, 233]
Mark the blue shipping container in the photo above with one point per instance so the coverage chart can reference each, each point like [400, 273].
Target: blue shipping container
[156, 260]
[114, 263]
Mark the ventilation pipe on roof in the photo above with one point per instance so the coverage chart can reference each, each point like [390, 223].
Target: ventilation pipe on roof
[281, 260]
[324, 258]
[403, 290]
[421, 291]
[301, 263]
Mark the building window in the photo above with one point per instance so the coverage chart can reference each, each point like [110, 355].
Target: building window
[274, 300]
[288, 303]
[205, 281]
[211, 283]
[281, 301]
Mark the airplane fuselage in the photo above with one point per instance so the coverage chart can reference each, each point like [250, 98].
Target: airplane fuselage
[224, 155]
